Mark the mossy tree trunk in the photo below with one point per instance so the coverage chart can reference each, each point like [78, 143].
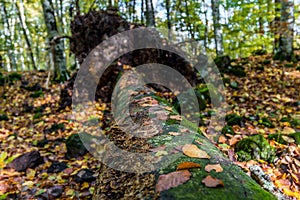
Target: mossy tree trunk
[116, 184]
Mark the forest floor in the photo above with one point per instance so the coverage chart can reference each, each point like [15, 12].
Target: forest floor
[30, 120]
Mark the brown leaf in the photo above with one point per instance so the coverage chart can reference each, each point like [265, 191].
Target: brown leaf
[188, 165]
[222, 139]
[193, 151]
[209, 181]
[216, 167]
[171, 180]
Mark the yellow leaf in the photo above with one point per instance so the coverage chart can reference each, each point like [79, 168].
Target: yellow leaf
[70, 192]
[85, 185]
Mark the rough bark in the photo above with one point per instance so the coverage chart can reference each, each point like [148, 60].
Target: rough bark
[115, 184]
[285, 48]
[26, 33]
[150, 19]
[217, 27]
[57, 48]
[9, 39]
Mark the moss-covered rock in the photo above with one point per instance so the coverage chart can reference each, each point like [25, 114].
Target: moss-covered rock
[238, 71]
[228, 130]
[277, 137]
[257, 147]
[233, 119]
[289, 65]
[266, 62]
[234, 85]
[261, 68]
[3, 117]
[75, 147]
[222, 62]
[37, 94]
[14, 77]
[266, 122]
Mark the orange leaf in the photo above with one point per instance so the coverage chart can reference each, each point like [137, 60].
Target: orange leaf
[216, 167]
[188, 165]
[193, 151]
[212, 182]
[171, 180]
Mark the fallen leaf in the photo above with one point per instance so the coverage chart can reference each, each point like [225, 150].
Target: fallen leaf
[209, 181]
[193, 151]
[188, 165]
[222, 139]
[171, 180]
[288, 130]
[216, 167]
[287, 139]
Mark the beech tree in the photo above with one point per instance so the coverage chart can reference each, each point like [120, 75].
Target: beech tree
[57, 46]
[217, 27]
[285, 46]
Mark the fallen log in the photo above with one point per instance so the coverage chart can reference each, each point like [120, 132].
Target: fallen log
[176, 156]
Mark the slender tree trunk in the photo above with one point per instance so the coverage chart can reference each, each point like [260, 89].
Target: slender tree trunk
[150, 19]
[134, 18]
[189, 26]
[142, 11]
[276, 26]
[285, 49]
[168, 14]
[57, 50]
[217, 27]
[9, 38]
[206, 26]
[21, 15]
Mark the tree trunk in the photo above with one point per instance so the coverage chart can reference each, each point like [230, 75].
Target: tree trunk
[116, 184]
[150, 18]
[20, 11]
[285, 49]
[57, 48]
[8, 36]
[206, 25]
[168, 14]
[276, 26]
[217, 27]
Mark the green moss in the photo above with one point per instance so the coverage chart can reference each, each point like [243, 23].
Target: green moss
[266, 62]
[266, 122]
[233, 119]
[228, 130]
[14, 77]
[237, 185]
[289, 65]
[37, 94]
[37, 115]
[298, 68]
[277, 137]
[261, 68]
[296, 137]
[3, 117]
[259, 52]
[257, 147]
